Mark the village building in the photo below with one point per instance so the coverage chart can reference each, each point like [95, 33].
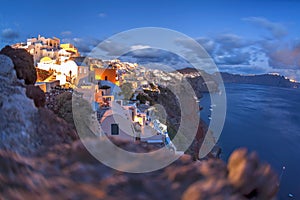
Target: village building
[41, 47]
[107, 74]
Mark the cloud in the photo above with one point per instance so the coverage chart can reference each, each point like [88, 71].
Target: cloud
[154, 57]
[66, 33]
[102, 15]
[223, 48]
[276, 29]
[9, 34]
[285, 56]
[232, 53]
[232, 49]
[234, 57]
[138, 47]
[236, 54]
[148, 53]
[84, 45]
[191, 47]
[113, 48]
[231, 41]
[245, 69]
[208, 44]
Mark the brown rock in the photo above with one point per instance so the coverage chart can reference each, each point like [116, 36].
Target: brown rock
[212, 189]
[51, 125]
[68, 171]
[35, 93]
[214, 168]
[250, 177]
[23, 64]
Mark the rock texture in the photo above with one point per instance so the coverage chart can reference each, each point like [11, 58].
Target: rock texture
[22, 123]
[17, 111]
[244, 169]
[200, 80]
[69, 172]
[59, 100]
[35, 93]
[6, 66]
[23, 64]
[171, 104]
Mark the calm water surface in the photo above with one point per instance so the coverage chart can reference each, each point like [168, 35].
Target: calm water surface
[266, 120]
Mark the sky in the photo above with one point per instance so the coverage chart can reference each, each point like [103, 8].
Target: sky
[245, 37]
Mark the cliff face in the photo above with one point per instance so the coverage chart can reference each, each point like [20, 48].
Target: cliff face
[199, 80]
[171, 105]
[22, 123]
[41, 159]
[25, 70]
[17, 111]
[23, 64]
[264, 79]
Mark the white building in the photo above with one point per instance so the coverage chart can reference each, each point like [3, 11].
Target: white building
[63, 70]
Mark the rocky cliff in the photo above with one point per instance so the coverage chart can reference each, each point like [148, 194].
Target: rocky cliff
[41, 159]
[200, 80]
[24, 127]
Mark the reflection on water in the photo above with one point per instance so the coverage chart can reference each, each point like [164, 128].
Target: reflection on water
[267, 120]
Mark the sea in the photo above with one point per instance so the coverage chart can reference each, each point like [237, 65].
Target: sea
[264, 119]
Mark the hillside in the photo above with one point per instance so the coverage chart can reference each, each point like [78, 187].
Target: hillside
[199, 80]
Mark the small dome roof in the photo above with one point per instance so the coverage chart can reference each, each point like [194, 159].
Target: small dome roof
[45, 59]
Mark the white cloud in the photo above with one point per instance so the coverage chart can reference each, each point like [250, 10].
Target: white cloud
[138, 47]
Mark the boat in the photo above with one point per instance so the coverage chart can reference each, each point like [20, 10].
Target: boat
[212, 105]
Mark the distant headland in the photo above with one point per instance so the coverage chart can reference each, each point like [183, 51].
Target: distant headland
[273, 79]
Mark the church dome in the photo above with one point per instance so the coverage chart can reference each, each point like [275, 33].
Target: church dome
[46, 59]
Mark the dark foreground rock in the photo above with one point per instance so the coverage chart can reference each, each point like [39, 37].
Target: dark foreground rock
[35, 93]
[24, 127]
[69, 172]
[23, 64]
[25, 70]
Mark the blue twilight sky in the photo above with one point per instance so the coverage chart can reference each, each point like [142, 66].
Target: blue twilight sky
[248, 37]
